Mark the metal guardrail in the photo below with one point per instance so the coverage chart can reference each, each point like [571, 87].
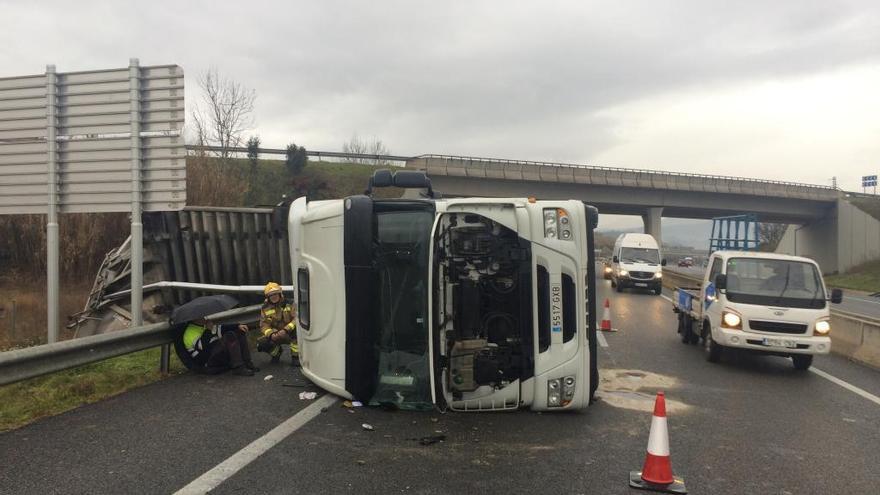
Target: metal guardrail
[629, 170]
[31, 362]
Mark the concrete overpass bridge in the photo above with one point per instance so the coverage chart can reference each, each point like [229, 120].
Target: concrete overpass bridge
[824, 225]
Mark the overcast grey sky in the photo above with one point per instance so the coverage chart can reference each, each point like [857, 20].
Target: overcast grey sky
[782, 90]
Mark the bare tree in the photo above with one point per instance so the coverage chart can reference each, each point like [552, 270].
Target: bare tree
[373, 146]
[224, 113]
[769, 235]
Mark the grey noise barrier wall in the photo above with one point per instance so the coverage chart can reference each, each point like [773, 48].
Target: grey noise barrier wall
[854, 336]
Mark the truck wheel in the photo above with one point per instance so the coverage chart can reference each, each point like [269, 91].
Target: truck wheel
[613, 283]
[694, 337]
[713, 349]
[802, 362]
[681, 328]
[658, 291]
[618, 288]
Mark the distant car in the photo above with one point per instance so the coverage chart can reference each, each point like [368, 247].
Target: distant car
[686, 262]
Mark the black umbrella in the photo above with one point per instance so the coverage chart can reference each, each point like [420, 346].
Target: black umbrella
[201, 307]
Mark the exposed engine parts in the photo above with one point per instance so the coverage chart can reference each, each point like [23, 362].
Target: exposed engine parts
[483, 273]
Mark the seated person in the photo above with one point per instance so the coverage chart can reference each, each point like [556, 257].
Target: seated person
[212, 349]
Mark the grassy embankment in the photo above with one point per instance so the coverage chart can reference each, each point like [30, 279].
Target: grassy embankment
[29, 400]
[864, 277]
[211, 183]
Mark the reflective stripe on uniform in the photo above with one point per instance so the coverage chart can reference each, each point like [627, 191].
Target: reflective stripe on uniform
[191, 338]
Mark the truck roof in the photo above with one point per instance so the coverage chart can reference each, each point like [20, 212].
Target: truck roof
[758, 254]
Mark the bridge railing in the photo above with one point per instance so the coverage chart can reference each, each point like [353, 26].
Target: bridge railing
[625, 177]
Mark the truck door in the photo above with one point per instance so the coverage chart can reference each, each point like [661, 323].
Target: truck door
[708, 293]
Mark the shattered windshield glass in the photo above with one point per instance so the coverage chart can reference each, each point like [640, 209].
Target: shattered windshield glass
[401, 265]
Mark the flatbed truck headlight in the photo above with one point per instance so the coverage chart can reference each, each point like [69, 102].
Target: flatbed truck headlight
[823, 327]
[623, 273]
[731, 320]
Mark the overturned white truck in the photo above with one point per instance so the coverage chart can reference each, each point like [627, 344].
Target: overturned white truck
[470, 304]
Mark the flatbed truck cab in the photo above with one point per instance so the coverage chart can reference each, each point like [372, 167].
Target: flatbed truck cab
[470, 304]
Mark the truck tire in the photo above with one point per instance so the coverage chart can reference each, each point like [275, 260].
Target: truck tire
[658, 291]
[693, 337]
[713, 349]
[802, 362]
[613, 283]
[618, 288]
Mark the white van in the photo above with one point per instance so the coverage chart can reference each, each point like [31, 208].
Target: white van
[636, 263]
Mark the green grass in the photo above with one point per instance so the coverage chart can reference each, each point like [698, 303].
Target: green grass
[48, 395]
[864, 277]
[325, 180]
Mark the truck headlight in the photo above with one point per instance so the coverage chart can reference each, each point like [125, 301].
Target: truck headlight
[658, 275]
[554, 394]
[557, 224]
[623, 273]
[560, 391]
[607, 269]
[731, 320]
[568, 385]
[823, 327]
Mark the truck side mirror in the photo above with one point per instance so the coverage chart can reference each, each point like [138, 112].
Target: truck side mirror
[721, 282]
[663, 262]
[836, 296]
[615, 259]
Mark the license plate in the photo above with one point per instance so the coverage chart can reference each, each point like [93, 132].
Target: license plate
[641, 285]
[780, 343]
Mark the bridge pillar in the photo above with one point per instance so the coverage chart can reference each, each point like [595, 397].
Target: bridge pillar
[651, 219]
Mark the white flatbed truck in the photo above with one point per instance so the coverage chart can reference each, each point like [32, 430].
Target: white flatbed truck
[762, 302]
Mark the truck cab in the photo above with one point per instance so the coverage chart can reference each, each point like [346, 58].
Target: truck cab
[771, 303]
[470, 304]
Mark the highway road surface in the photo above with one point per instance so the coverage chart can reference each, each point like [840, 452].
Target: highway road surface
[853, 302]
[751, 424]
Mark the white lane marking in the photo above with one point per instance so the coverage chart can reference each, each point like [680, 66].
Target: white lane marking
[852, 388]
[666, 297]
[601, 339]
[223, 471]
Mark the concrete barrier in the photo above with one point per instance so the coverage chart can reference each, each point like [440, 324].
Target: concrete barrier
[854, 336]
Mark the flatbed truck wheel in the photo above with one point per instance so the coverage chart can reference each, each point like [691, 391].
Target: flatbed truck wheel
[802, 362]
[713, 349]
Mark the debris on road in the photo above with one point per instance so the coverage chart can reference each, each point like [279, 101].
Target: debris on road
[357, 403]
[367, 427]
[361, 462]
[268, 377]
[307, 395]
[432, 439]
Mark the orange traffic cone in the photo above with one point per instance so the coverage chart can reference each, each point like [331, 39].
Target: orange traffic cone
[656, 474]
[606, 317]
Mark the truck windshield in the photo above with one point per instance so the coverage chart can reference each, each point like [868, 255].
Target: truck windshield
[402, 240]
[639, 255]
[774, 282]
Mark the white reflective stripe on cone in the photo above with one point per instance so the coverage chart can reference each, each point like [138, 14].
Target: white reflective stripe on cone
[658, 441]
